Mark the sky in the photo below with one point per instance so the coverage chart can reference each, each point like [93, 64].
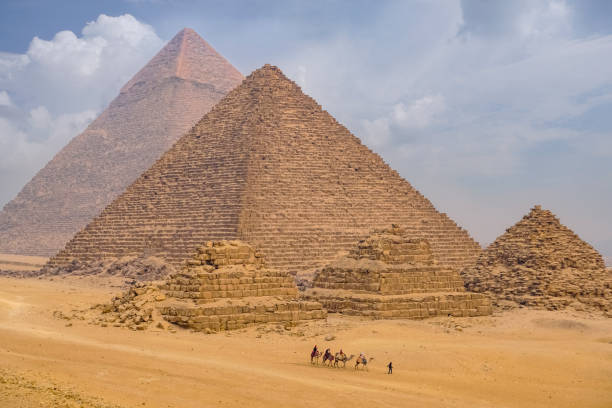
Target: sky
[486, 107]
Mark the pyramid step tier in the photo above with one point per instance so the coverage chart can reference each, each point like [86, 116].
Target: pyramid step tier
[241, 314]
[408, 306]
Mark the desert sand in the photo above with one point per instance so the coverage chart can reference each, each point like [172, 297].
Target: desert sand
[21, 262]
[525, 358]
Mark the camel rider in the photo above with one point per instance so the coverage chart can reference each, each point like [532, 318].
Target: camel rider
[314, 352]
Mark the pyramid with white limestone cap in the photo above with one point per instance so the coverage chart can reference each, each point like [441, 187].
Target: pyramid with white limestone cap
[157, 106]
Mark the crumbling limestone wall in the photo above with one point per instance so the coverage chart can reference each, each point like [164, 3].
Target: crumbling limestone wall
[408, 307]
[389, 262]
[226, 285]
[388, 279]
[237, 316]
[391, 246]
[392, 275]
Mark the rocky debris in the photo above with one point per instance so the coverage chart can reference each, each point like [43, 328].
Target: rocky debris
[137, 268]
[19, 274]
[541, 263]
[20, 266]
[246, 171]
[450, 324]
[303, 279]
[303, 284]
[390, 275]
[135, 309]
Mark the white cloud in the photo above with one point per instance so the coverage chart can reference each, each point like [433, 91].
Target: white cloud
[420, 113]
[545, 19]
[67, 53]
[376, 132]
[472, 104]
[59, 86]
[5, 99]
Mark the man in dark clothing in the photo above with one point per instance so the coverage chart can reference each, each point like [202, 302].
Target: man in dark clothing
[313, 354]
[390, 365]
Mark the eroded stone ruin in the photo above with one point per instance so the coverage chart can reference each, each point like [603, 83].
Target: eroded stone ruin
[269, 167]
[156, 107]
[540, 262]
[227, 286]
[390, 275]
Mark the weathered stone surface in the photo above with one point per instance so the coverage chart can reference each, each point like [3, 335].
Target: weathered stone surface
[137, 268]
[267, 166]
[540, 262]
[157, 106]
[227, 286]
[407, 306]
[135, 309]
[390, 275]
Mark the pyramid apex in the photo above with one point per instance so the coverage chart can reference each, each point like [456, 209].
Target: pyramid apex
[268, 69]
[269, 74]
[186, 32]
[189, 57]
[538, 211]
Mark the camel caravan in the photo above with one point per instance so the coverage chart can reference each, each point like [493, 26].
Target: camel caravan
[338, 359]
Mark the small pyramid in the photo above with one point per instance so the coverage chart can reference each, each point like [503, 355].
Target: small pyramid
[157, 106]
[540, 262]
[390, 275]
[226, 285]
[269, 167]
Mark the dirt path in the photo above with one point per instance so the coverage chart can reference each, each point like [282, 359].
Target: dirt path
[522, 358]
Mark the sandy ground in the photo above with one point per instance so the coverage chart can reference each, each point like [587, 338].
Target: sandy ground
[515, 359]
[21, 262]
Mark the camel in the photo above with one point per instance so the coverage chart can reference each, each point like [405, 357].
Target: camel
[314, 357]
[363, 361]
[341, 357]
[328, 357]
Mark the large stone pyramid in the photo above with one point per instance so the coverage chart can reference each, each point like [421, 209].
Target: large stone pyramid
[164, 100]
[389, 275]
[267, 166]
[540, 262]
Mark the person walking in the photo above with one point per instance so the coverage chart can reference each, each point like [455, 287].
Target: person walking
[390, 365]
